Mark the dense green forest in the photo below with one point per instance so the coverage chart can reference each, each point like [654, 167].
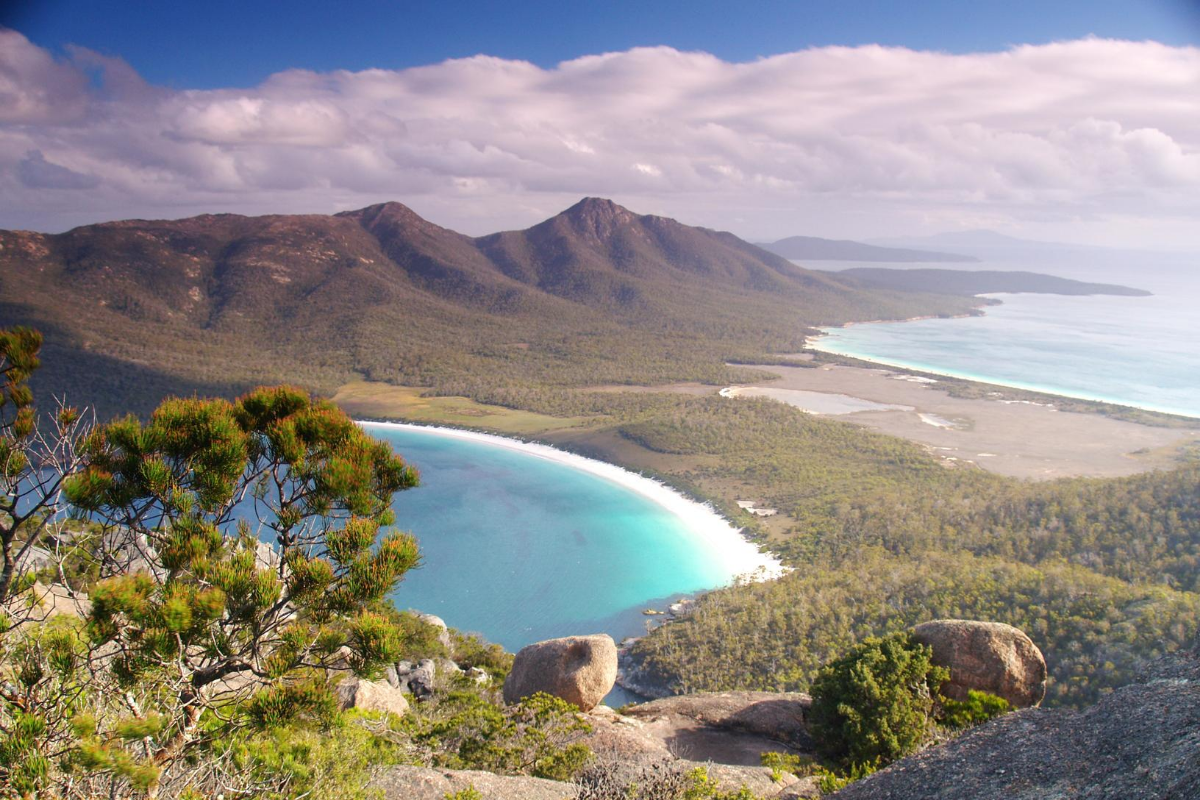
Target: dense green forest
[1101, 573]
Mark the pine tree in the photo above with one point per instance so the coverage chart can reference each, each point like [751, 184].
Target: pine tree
[245, 545]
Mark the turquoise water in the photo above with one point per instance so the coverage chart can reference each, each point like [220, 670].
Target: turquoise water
[1135, 351]
[521, 548]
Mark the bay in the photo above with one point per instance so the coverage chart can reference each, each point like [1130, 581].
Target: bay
[521, 543]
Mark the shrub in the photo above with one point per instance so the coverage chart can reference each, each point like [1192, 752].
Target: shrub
[978, 708]
[876, 703]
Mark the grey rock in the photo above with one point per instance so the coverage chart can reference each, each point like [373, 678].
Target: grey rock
[416, 679]
[121, 552]
[729, 729]
[35, 559]
[49, 600]
[578, 669]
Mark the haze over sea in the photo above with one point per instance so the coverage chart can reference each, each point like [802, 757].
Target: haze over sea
[1134, 351]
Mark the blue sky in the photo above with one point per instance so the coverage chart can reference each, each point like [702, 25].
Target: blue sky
[1075, 121]
[221, 43]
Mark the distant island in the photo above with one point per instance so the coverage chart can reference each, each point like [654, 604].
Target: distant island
[972, 282]
[818, 249]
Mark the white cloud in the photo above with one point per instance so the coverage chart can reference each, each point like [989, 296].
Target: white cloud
[835, 140]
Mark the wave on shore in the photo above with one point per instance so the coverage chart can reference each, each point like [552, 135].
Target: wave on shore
[725, 543]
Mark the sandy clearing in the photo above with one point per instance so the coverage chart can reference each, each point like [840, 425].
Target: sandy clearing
[1019, 439]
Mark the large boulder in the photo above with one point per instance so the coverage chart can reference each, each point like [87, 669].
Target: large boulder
[46, 600]
[988, 657]
[370, 696]
[578, 669]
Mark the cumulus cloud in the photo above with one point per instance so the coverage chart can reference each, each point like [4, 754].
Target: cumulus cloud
[828, 140]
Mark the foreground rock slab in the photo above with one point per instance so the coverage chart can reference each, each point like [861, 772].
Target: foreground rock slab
[1142, 742]
[730, 728]
[988, 657]
[425, 783]
[724, 733]
[774, 715]
[578, 669]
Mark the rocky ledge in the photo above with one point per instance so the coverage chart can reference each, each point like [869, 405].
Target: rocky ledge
[724, 733]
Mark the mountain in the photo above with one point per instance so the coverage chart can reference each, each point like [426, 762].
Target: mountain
[817, 249]
[216, 303]
[948, 281]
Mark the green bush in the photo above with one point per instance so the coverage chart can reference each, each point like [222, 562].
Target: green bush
[978, 708]
[877, 703]
[467, 729]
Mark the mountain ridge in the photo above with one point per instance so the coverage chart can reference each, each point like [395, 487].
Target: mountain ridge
[384, 294]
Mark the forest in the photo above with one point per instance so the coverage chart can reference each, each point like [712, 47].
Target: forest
[1102, 574]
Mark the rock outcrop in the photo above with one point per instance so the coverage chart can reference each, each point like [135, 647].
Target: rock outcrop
[578, 669]
[986, 656]
[726, 733]
[426, 783]
[370, 696]
[1142, 742]
[415, 679]
[776, 716]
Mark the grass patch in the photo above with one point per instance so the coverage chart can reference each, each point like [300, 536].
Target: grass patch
[382, 400]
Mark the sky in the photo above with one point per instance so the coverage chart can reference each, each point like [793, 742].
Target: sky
[1074, 121]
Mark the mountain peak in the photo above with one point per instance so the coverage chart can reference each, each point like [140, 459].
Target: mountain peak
[597, 217]
[389, 210]
[598, 208]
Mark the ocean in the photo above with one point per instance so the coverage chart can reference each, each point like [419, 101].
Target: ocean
[1134, 351]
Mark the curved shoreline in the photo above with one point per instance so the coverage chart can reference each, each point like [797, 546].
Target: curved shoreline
[720, 538]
